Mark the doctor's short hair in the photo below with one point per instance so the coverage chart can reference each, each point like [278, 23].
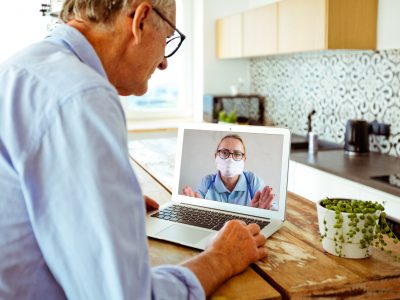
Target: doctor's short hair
[105, 12]
[232, 136]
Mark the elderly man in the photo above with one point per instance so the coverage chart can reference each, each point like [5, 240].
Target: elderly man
[71, 209]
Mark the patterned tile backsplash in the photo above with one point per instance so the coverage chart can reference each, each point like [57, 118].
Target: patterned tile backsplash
[339, 85]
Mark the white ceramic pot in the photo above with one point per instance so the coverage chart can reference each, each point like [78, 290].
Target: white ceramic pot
[350, 248]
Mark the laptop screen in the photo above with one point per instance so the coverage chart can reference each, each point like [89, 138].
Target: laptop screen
[236, 168]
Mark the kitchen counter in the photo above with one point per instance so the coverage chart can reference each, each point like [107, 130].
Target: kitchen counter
[356, 168]
[300, 143]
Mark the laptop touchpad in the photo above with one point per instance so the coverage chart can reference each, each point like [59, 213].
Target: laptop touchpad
[183, 234]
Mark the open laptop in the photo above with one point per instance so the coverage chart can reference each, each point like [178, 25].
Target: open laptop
[193, 221]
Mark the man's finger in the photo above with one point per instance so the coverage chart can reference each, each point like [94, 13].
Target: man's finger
[260, 240]
[262, 253]
[253, 228]
[242, 222]
[151, 204]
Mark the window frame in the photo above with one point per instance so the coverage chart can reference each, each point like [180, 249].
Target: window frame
[184, 108]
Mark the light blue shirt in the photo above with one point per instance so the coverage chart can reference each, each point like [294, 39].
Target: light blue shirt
[212, 188]
[71, 209]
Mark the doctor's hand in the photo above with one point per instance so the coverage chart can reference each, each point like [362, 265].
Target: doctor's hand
[151, 204]
[263, 199]
[187, 191]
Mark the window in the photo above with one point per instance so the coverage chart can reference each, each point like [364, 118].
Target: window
[169, 93]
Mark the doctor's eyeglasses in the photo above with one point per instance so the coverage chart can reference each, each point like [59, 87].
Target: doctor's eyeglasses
[225, 153]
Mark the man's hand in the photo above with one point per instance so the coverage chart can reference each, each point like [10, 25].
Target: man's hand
[263, 199]
[187, 191]
[234, 247]
[240, 244]
[151, 204]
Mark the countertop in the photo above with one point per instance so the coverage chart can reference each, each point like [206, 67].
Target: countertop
[356, 168]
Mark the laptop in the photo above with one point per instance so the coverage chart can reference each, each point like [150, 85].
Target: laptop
[193, 218]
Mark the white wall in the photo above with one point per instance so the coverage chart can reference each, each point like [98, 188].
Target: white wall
[198, 58]
[21, 24]
[258, 3]
[219, 75]
[388, 24]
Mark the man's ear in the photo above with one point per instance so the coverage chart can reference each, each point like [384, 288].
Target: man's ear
[141, 16]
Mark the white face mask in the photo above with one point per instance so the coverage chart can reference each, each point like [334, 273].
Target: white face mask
[229, 167]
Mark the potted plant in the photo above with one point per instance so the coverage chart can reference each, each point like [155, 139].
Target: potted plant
[223, 117]
[350, 228]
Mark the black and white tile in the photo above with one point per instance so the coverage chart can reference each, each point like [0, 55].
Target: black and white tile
[339, 85]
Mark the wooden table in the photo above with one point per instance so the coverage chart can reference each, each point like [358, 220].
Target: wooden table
[297, 266]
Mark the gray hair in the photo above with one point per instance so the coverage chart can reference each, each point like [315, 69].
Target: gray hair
[104, 12]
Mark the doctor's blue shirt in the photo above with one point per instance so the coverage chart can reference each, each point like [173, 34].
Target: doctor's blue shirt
[72, 214]
[212, 188]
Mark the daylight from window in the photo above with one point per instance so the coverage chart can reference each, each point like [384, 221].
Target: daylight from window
[164, 89]
[168, 88]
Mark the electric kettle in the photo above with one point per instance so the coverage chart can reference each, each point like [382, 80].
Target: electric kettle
[356, 140]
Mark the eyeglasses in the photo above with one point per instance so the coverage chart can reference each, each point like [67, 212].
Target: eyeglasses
[225, 153]
[174, 41]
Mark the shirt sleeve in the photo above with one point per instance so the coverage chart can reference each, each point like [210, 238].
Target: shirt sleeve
[202, 188]
[185, 283]
[87, 209]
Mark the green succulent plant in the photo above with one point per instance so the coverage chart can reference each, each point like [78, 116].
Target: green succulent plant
[228, 118]
[365, 217]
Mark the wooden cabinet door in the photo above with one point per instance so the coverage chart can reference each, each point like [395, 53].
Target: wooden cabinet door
[352, 24]
[229, 36]
[260, 33]
[302, 25]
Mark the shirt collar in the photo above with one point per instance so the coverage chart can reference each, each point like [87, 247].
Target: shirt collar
[79, 45]
[241, 185]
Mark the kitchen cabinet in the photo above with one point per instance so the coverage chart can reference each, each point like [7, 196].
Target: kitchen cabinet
[260, 34]
[305, 25]
[301, 25]
[251, 33]
[229, 37]
[315, 184]
[298, 25]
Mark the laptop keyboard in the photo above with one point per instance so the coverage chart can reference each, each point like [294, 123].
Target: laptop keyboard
[201, 218]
